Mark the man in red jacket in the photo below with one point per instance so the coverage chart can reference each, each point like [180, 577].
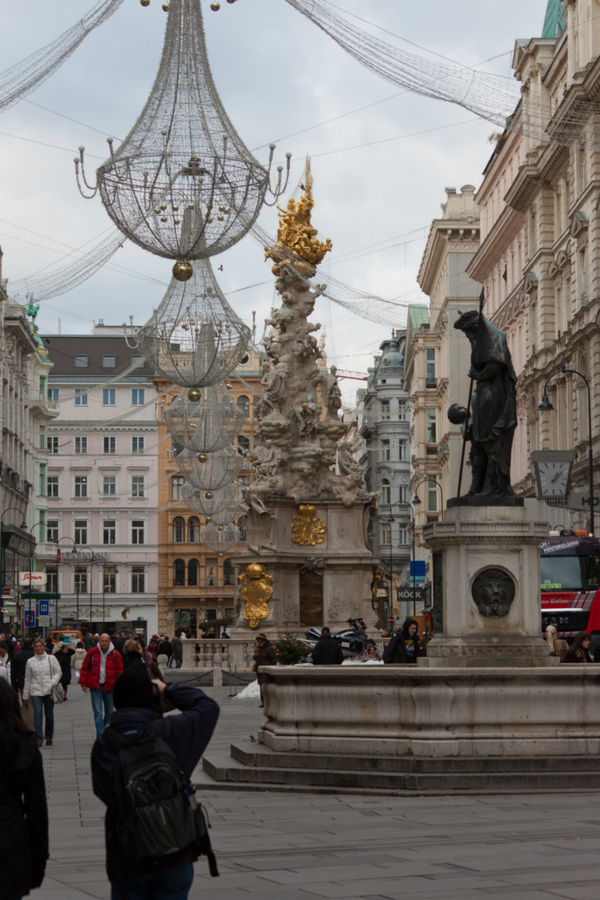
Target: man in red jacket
[101, 668]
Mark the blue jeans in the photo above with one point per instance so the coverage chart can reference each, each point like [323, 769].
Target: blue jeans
[43, 706]
[98, 698]
[162, 884]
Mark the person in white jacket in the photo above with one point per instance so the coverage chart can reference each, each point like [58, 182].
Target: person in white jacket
[42, 674]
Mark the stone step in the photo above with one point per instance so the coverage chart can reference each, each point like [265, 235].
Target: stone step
[261, 769]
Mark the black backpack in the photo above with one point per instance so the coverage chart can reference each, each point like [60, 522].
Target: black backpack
[154, 801]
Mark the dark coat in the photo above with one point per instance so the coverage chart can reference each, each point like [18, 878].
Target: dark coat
[17, 668]
[24, 847]
[264, 655]
[188, 734]
[327, 652]
[64, 658]
[395, 651]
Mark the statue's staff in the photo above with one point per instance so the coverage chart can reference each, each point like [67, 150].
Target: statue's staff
[465, 429]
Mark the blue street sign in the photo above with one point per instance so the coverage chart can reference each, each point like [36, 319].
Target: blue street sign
[44, 608]
[29, 618]
[417, 568]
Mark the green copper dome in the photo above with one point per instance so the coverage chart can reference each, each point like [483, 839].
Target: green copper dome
[555, 19]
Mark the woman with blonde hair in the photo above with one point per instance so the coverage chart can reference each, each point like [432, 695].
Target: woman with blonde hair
[557, 646]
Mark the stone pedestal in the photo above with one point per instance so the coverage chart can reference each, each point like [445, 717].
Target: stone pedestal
[313, 584]
[486, 579]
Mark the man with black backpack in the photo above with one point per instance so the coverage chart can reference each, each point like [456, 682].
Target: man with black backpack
[141, 767]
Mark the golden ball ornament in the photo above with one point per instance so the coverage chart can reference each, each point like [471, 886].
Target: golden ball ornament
[209, 495]
[215, 7]
[165, 7]
[145, 2]
[195, 395]
[220, 528]
[183, 270]
[202, 457]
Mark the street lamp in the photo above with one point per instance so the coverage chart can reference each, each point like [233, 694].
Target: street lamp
[546, 406]
[391, 519]
[429, 478]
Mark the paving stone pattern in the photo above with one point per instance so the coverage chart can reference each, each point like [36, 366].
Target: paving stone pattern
[290, 846]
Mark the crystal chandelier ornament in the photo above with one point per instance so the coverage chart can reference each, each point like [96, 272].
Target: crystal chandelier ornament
[228, 514]
[207, 503]
[208, 424]
[220, 538]
[194, 338]
[208, 471]
[182, 184]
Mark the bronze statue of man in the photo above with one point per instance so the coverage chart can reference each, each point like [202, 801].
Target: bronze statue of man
[493, 419]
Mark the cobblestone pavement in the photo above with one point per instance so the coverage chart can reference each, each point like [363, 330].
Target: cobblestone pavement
[284, 846]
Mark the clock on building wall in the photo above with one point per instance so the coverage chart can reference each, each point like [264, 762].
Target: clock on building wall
[552, 470]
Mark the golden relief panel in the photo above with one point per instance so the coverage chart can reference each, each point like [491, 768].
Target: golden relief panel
[307, 528]
[256, 591]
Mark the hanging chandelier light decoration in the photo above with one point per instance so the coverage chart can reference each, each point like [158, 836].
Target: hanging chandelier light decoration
[182, 184]
[220, 538]
[208, 471]
[208, 424]
[207, 503]
[194, 338]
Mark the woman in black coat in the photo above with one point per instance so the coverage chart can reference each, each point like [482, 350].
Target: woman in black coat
[64, 658]
[23, 809]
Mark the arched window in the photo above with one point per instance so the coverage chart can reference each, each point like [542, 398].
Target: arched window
[243, 445]
[228, 572]
[178, 530]
[243, 404]
[178, 572]
[386, 496]
[193, 572]
[194, 530]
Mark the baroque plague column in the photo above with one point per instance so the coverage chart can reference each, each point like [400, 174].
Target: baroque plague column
[307, 560]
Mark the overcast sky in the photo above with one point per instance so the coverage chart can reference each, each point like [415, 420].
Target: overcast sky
[381, 158]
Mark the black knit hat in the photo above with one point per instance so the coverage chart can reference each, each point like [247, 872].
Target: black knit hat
[134, 688]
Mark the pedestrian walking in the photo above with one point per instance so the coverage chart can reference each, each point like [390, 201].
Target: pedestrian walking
[327, 651]
[101, 668]
[24, 832]
[5, 662]
[17, 677]
[137, 702]
[177, 653]
[63, 655]
[77, 659]
[264, 655]
[42, 674]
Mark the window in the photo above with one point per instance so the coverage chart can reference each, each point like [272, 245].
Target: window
[53, 395]
[109, 485]
[176, 447]
[403, 535]
[385, 410]
[432, 486]
[137, 396]
[138, 580]
[386, 492]
[81, 486]
[109, 396]
[402, 409]
[177, 482]
[52, 444]
[81, 397]
[430, 377]
[243, 445]
[137, 444]
[80, 580]
[243, 404]
[52, 579]
[431, 424]
[81, 361]
[110, 445]
[137, 531]
[178, 572]
[384, 451]
[178, 530]
[109, 361]
[109, 531]
[52, 531]
[210, 615]
[386, 533]
[402, 451]
[52, 486]
[242, 483]
[137, 361]
[211, 572]
[194, 530]
[81, 444]
[80, 531]
[109, 579]
[193, 572]
[137, 485]
[228, 572]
